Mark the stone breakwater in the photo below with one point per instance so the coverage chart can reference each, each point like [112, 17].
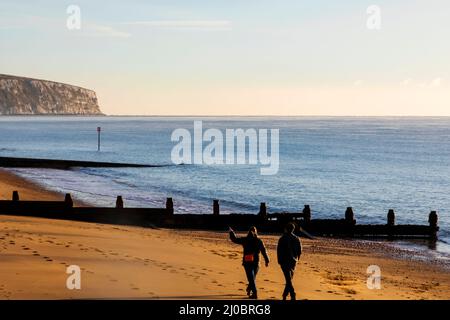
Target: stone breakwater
[26, 96]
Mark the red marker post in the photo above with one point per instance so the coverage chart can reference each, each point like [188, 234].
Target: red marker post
[99, 129]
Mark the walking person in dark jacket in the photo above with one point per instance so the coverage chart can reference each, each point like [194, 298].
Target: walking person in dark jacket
[252, 245]
[288, 252]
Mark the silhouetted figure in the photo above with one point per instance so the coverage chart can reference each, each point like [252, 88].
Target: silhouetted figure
[289, 250]
[252, 245]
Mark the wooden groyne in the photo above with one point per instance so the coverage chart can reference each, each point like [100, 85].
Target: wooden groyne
[12, 162]
[263, 220]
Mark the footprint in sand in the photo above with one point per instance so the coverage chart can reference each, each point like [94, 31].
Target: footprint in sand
[350, 291]
[134, 287]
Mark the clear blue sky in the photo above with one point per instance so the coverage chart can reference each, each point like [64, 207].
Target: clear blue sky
[238, 57]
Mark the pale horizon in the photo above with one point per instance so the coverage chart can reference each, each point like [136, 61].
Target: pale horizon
[288, 58]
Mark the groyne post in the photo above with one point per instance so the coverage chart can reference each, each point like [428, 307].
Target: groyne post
[390, 223]
[307, 213]
[433, 221]
[263, 210]
[169, 206]
[216, 210]
[68, 200]
[119, 202]
[15, 195]
[391, 217]
[349, 215]
[349, 221]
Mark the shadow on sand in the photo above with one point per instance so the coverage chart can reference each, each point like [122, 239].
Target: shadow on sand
[187, 297]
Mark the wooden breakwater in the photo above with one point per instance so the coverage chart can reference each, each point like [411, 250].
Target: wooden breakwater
[263, 220]
[12, 162]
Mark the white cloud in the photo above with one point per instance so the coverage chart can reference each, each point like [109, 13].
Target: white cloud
[215, 25]
[94, 30]
[406, 82]
[436, 82]
[88, 29]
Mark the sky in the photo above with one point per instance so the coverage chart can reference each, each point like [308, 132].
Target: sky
[238, 57]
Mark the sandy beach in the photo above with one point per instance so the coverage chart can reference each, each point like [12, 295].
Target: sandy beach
[143, 263]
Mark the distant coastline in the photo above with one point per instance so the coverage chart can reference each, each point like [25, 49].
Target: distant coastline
[28, 96]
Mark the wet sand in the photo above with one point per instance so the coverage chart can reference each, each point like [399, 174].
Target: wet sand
[143, 263]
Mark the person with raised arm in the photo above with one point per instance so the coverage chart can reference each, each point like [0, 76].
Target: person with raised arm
[252, 246]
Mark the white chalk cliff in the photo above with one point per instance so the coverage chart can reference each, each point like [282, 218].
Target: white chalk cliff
[26, 96]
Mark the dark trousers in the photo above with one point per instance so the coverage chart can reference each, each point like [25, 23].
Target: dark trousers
[251, 270]
[288, 272]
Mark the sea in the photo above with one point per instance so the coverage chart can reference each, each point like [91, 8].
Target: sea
[371, 164]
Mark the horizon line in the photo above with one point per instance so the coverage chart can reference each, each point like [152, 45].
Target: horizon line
[222, 116]
[274, 115]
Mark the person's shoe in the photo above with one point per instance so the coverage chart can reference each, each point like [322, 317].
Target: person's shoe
[248, 291]
[284, 297]
[253, 296]
[293, 297]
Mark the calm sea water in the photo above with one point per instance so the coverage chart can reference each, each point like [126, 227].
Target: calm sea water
[371, 164]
